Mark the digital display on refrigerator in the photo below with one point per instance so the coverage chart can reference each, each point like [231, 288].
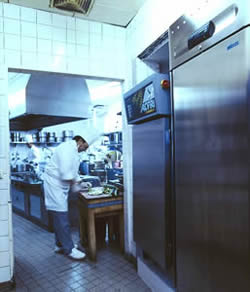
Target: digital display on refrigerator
[141, 103]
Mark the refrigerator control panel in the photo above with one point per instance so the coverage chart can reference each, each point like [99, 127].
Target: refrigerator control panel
[148, 99]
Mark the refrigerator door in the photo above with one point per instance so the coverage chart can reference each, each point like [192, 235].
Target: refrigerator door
[211, 120]
[151, 188]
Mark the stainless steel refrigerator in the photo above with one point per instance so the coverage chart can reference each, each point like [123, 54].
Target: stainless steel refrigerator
[149, 111]
[210, 65]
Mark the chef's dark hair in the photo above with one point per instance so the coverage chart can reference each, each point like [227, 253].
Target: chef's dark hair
[77, 138]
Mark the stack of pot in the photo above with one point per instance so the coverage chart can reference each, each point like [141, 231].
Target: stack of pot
[67, 135]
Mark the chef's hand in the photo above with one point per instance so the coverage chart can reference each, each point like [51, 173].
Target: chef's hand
[86, 185]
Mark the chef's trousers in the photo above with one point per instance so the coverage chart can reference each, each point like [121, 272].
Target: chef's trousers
[62, 231]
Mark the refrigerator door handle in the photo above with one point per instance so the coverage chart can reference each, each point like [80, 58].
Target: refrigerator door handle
[168, 136]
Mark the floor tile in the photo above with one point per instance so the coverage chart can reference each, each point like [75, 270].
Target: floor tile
[38, 268]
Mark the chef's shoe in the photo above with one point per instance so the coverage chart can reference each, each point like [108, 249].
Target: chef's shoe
[77, 254]
[59, 249]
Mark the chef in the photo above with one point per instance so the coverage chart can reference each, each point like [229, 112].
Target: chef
[34, 156]
[61, 173]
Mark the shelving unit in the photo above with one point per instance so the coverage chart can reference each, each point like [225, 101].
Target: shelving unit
[36, 143]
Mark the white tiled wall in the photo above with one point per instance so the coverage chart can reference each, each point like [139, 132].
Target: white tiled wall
[4, 274]
[44, 35]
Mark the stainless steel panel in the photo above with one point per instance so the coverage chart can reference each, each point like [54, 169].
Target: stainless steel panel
[228, 16]
[151, 188]
[48, 99]
[211, 116]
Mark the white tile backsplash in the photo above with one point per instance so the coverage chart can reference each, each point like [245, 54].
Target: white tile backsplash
[29, 60]
[5, 274]
[44, 46]
[95, 27]
[4, 197]
[11, 11]
[120, 33]
[44, 31]
[82, 25]
[82, 38]
[3, 147]
[77, 66]
[44, 62]
[1, 40]
[4, 212]
[4, 228]
[82, 51]
[108, 30]
[59, 48]
[59, 20]
[95, 40]
[44, 17]
[28, 29]
[71, 22]
[12, 26]
[71, 36]
[59, 64]
[13, 58]
[59, 34]
[1, 9]
[29, 44]
[4, 244]
[28, 14]
[1, 24]
[71, 50]
[12, 41]
[4, 259]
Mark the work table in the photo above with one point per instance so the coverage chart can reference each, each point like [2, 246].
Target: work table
[100, 206]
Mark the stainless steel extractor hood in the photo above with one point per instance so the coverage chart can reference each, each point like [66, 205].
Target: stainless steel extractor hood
[40, 99]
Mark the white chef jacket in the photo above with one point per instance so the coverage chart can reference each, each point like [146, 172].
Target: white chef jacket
[63, 166]
[34, 154]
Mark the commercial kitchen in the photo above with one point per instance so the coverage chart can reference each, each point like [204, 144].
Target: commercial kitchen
[160, 92]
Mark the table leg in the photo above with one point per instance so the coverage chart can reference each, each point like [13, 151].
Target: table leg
[111, 228]
[83, 229]
[121, 223]
[91, 235]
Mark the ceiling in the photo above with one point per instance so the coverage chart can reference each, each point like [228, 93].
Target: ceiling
[116, 12]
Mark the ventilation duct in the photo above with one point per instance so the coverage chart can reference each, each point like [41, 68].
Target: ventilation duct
[40, 100]
[81, 6]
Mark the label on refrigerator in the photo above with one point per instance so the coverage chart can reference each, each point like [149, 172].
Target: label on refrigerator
[141, 103]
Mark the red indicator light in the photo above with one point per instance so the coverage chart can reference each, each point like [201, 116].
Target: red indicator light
[165, 84]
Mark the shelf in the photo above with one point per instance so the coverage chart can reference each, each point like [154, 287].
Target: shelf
[36, 143]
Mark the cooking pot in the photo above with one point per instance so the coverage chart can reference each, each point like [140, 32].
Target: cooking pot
[114, 138]
[67, 135]
[20, 167]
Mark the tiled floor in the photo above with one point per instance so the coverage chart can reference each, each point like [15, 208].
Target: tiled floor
[38, 268]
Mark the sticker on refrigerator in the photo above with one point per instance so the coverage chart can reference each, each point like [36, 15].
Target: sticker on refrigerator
[233, 45]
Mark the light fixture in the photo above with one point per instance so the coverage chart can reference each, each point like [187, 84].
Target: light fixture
[81, 6]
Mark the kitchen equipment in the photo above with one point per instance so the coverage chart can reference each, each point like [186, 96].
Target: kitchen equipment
[114, 138]
[148, 110]
[67, 135]
[34, 138]
[84, 167]
[47, 99]
[42, 136]
[210, 68]
[94, 180]
[51, 137]
[99, 164]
